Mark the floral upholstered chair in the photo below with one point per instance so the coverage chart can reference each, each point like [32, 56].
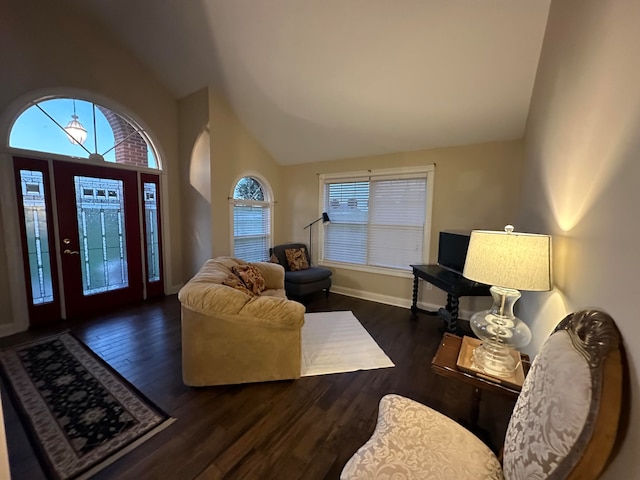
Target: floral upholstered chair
[563, 425]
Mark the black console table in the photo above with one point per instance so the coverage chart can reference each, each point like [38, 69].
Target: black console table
[453, 283]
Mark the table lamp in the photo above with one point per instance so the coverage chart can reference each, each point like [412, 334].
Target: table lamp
[509, 261]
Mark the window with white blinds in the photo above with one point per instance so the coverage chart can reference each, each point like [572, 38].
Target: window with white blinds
[251, 221]
[378, 220]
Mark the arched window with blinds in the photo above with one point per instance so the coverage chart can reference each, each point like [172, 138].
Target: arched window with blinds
[251, 220]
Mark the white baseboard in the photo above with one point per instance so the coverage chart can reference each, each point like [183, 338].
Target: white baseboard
[374, 297]
[173, 289]
[389, 300]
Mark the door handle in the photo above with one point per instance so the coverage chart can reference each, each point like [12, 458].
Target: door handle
[71, 252]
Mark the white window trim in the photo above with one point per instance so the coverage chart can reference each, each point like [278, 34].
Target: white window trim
[428, 170]
[269, 202]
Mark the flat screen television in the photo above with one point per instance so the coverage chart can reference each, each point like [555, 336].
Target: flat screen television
[452, 250]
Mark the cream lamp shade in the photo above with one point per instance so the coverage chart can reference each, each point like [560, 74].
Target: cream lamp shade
[509, 259]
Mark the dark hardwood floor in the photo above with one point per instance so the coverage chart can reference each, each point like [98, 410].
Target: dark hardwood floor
[304, 429]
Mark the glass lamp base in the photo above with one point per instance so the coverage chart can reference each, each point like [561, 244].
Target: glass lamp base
[494, 359]
[499, 329]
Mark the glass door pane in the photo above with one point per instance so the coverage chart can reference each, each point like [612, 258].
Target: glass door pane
[101, 230]
[151, 231]
[37, 233]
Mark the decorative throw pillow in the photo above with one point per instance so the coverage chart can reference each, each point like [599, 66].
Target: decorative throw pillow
[274, 259]
[235, 282]
[251, 277]
[297, 259]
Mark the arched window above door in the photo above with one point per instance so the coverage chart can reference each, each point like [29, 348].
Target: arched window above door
[83, 129]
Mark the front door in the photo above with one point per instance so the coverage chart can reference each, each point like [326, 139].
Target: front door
[88, 235]
[99, 230]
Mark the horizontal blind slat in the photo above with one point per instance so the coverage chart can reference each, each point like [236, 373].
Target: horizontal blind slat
[251, 226]
[377, 222]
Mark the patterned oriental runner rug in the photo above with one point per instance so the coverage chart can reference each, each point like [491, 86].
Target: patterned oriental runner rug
[81, 415]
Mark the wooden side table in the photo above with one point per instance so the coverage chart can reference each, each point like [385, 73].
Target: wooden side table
[444, 364]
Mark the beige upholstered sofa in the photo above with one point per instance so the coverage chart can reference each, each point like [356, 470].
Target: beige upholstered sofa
[229, 336]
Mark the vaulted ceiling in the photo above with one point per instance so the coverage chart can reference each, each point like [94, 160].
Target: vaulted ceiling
[318, 80]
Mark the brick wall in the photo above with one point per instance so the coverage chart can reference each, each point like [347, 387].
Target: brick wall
[133, 150]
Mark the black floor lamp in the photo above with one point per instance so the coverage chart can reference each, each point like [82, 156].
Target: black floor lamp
[325, 219]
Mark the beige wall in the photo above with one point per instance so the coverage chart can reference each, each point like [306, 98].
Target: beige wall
[583, 177]
[234, 154]
[195, 176]
[46, 48]
[476, 186]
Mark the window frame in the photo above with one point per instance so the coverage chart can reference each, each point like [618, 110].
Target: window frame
[88, 154]
[428, 170]
[266, 203]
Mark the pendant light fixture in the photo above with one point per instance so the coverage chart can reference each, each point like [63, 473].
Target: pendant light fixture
[76, 133]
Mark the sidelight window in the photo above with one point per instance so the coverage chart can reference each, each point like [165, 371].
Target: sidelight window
[37, 235]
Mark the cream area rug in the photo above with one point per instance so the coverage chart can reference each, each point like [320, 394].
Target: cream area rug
[336, 342]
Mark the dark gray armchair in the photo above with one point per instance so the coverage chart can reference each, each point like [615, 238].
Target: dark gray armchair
[302, 282]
